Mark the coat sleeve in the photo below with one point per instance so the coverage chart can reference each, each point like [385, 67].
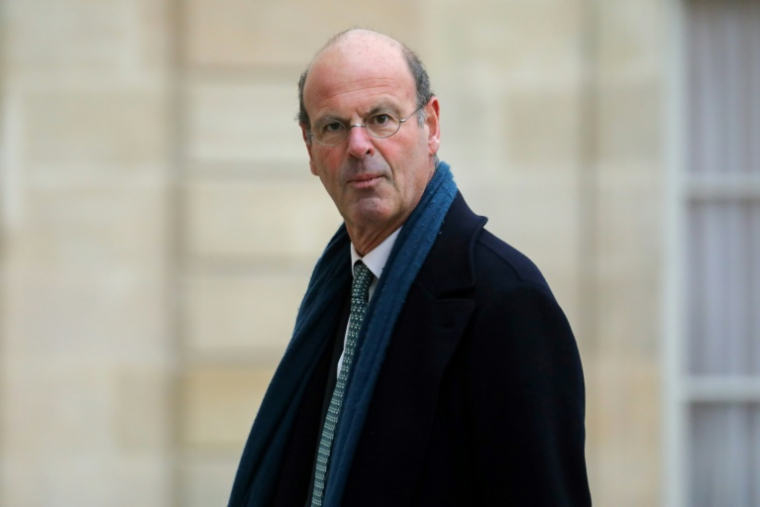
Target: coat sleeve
[526, 402]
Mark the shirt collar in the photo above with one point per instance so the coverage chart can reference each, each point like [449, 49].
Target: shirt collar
[376, 259]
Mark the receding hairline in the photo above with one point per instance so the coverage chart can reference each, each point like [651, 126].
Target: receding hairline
[346, 35]
[413, 63]
[352, 33]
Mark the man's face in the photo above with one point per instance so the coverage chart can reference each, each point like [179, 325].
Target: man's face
[375, 183]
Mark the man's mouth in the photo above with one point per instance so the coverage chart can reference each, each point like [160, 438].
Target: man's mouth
[364, 180]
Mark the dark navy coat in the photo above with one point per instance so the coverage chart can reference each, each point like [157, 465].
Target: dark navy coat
[480, 399]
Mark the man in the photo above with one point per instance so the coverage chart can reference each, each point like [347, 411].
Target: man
[451, 377]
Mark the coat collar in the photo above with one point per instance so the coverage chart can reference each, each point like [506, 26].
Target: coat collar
[449, 268]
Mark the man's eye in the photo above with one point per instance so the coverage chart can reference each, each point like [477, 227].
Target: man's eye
[381, 119]
[333, 127]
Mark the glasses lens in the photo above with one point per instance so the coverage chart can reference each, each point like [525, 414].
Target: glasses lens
[330, 134]
[382, 125]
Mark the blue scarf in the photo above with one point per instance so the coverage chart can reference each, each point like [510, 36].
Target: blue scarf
[263, 454]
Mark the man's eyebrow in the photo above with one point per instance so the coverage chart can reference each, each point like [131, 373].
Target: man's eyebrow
[327, 119]
[382, 108]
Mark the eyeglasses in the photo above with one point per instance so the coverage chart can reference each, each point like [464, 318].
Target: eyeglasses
[380, 126]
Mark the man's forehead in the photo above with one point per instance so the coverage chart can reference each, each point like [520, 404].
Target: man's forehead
[361, 63]
[361, 53]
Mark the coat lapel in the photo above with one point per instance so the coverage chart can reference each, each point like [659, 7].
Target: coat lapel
[397, 430]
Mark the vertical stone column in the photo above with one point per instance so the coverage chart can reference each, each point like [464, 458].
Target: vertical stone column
[85, 346]
[628, 179]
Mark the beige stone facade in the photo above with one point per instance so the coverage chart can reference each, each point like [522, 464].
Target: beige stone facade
[159, 222]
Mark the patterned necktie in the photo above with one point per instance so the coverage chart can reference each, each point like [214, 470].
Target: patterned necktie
[359, 299]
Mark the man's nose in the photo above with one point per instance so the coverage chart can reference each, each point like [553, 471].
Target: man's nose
[359, 141]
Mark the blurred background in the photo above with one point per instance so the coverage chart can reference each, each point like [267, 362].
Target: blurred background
[158, 224]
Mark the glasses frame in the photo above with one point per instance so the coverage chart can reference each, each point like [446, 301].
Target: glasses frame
[401, 121]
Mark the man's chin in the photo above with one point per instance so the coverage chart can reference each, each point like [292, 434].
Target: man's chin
[371, 212]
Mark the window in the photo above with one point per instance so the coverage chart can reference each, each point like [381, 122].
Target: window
[715, 385]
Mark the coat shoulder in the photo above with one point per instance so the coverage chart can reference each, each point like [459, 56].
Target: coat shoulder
[500, 265]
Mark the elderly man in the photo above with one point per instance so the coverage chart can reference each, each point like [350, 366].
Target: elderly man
[430, 364]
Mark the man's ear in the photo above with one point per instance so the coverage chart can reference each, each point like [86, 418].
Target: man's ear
[307, 142]
[433, 123]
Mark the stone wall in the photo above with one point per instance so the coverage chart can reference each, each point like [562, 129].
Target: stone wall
[159, 221]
